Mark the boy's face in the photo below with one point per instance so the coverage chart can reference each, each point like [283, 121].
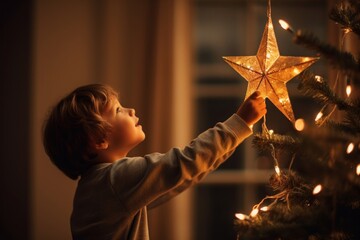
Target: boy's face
[126, 131]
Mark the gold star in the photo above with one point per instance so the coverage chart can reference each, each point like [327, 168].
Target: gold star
[269, 72]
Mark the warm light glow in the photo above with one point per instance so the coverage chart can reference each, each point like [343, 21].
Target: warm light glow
[300, 124]
[254, 212]
[264, 209]
[268, 55]
[284, 24]
[271, 132]
[318, 78]
[317, 189]
[348, 90]
[241, 216]
[318, 116]
[347, 30]
[350, 148]
[296, 71]
[358, 169]
[277, 170]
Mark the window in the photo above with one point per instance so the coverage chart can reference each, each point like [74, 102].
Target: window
[234, 28]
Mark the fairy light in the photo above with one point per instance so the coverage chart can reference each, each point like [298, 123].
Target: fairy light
[266, 208]
[318, 116]
[350, 148]
[348, 90]
[358, 169]
[277, 170]
[271, 132]
[241, 216]
[286, 26]
[299, 124]
[348, 86]
[318, 78]
[317, 189]
[254, 212]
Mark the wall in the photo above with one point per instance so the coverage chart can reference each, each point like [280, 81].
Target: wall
[63, 58]
[15, 68]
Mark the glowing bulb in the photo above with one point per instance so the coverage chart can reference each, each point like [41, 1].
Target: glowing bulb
[264, 209]
[277, 170]
[300, 124]
[241, 216]
[296, 71]
[358, 169]
[254, 212]
[271, 132]
[268, 55]
[285, 25]
[318, 116]
[317, 189]
[348, 90]
[318, 78]
[347, 30]
[350, 148]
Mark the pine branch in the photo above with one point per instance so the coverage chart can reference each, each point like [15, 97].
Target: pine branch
[351, 128]
[319, 90]
[263, 142]
[342, 60]
[348, 15]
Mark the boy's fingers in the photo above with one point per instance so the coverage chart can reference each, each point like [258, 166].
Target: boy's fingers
[256, 94]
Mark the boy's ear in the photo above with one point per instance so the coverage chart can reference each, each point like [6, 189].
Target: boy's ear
[101, 145]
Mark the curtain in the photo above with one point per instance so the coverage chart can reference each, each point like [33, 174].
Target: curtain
[146, 55]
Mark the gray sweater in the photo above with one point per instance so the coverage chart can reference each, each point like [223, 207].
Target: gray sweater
[112, 199]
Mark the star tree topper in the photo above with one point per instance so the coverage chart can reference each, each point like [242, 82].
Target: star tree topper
[269, 72]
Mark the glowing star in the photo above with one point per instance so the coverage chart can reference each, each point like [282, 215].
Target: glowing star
[269, 72]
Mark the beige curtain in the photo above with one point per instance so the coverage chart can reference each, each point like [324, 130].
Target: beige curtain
[147, 56]
[143, 49]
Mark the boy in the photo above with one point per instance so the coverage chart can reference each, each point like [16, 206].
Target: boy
[88, 134]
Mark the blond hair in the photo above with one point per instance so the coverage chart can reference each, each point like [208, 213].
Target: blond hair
[74, 125]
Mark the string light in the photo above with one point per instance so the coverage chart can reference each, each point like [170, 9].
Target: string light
[348, 90]
[277, 170]
[241, 216]
[271, 132]
[317, 189]
[264, 209]
[318, 78]
[348, 87]
[318, 116]
[254, 212]
[299, 124]
[285, 26]
[350, 148]
[358, 169]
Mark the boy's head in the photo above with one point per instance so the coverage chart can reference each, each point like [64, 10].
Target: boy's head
[74, 127]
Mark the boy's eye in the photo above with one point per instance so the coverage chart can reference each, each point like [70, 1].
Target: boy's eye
[118, 110]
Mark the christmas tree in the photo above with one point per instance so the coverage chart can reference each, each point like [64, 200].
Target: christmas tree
[321, 198]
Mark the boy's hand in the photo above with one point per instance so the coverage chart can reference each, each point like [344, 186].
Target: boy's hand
[252, 109]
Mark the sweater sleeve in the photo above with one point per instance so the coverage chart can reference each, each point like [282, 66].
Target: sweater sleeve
[141, 181]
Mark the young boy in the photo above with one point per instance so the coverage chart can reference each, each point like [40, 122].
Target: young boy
[89, 133]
